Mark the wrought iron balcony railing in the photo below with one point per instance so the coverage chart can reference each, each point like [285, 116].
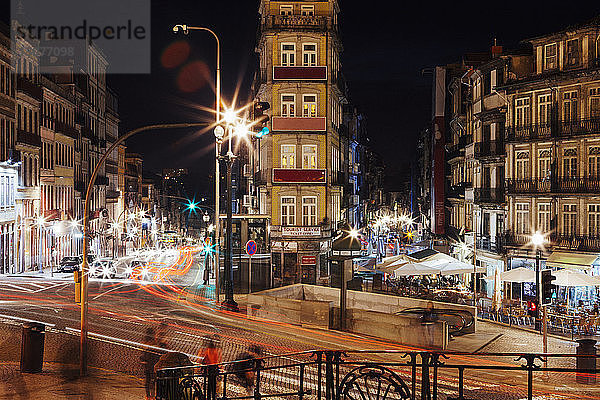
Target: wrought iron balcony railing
[313, 22]
[343, 375]
[493, 245]
[559, 184]
[489, 195]
[29, 88]
[557, 129]
[493, 148]
[576, 242]
[28, 138]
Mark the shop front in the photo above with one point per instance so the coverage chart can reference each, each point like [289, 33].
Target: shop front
[299, 255]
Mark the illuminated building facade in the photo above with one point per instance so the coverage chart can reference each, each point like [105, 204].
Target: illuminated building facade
[301, 170]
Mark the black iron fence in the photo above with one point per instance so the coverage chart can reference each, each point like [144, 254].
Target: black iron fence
[379, 375]
[555, 129]
[588, 184]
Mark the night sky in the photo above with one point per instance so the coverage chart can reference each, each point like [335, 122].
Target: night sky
[387, 44]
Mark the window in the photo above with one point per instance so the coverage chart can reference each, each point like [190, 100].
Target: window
[335, 159]
[522, 218]
[309, 105]
[543, 224]
[594, 220]
[288, 54]
[335, 208]
[594, 103]
[570, 106]
[288, 210]
[522, 112]
[572, 52]
[309, 156]
[522, 165]
[570, 163]
[307, 10]
[288, 156]
[569, 219]
[309, 210]
[286, 9]
[288, 102]
[544, 164]
[594, 162]
[309, 55]
[550, 56]
[544, 104]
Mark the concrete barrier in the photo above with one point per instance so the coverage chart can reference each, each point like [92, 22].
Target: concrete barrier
[368, 313]
[297, 312]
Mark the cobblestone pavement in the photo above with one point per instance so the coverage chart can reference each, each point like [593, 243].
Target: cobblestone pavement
[61, 382]
[123, 311]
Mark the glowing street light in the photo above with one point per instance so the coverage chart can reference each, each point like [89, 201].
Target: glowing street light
[229, 116]
[537, 239]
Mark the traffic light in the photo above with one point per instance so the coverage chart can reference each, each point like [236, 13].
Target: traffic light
[260, 119]
[547, 286]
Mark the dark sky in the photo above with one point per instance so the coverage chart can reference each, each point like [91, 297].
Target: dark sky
[387, 45]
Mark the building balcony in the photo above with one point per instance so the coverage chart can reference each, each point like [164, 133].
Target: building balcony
[87, 132]
[300, 73]
[101, 180]
[491, 244]
[28, 138]
[260, 178]
[111, 169]
[576, 242]
[7, 102]
[289, 175]
[79, 186]
[66, 129]
[338, 178]
[559, 129]
[455, 151]
[554, 185]
[289, 124]
[31, 89]
[298, 22]
[492, 148]
[112, 194]
[458, 191]
[489, 195]
[578, 127]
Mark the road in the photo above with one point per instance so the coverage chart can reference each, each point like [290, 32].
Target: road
[122, 310]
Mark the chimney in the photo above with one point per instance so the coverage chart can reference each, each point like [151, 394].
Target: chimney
[496, 50]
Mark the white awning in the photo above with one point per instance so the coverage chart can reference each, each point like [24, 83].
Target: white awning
[563, 259]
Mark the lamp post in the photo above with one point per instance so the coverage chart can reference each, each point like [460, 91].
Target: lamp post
[185, 30]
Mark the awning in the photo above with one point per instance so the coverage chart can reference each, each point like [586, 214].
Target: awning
[563, 259]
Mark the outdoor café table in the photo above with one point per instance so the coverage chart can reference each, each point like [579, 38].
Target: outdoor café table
[566, 321]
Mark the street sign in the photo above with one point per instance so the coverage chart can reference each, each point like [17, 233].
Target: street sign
[308, 260]
[251, 247]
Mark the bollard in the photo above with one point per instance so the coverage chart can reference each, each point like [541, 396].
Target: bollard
[587, 347]
[32, 347]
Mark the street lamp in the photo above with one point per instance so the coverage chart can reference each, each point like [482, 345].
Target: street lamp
[185, 29]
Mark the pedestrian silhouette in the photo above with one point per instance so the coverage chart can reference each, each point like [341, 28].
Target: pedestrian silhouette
[211, 356]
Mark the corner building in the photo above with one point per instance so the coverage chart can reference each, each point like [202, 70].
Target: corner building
[298, 176]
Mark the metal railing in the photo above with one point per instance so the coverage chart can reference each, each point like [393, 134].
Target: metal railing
[494, 246]
[403, 375]
[492, 148]
[556, 184]
[555, 129]
[489, 195]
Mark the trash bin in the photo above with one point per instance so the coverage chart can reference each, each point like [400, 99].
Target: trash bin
[32, 347]
[586, 347]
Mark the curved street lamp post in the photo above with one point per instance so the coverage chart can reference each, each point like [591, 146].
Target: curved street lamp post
[86, 220]
[185, 29]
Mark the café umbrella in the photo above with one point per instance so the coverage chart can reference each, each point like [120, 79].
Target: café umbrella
[518, 275]
[414, 269]
[570, 278]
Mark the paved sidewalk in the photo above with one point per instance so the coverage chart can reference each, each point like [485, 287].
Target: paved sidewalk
[61, 382]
